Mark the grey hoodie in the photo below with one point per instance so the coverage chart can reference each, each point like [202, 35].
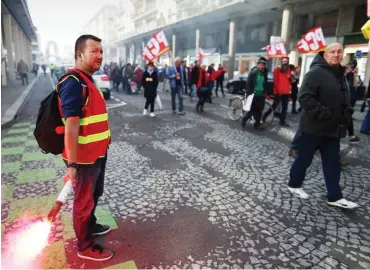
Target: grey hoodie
[324, 97]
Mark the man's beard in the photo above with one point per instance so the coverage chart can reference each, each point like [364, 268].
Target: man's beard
[284, 67]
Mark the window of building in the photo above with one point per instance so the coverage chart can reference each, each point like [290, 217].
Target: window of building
[360, 18]
[328, 22]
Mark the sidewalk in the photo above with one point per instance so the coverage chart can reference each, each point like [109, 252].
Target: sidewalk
[13, 97]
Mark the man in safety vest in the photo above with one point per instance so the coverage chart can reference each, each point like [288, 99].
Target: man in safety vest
[52, 69]
[87, 137]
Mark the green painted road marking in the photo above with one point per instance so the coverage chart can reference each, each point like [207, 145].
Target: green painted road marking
[7, 192]
[104, 216]
[15, 139]
[53, 256]
[30, 207]
[10, 167]
[34, 156]
[11, 150]
[18, 131]
[22, 124]
[31, 176]
[32, 143]
[125, 265]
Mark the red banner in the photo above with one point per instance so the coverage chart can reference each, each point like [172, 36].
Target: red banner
[312, 42]
[200, 55]
[156, 46]
[276, 50]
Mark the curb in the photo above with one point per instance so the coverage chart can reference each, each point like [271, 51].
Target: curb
[13, 111]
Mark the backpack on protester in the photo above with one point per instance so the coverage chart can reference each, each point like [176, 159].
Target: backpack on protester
[49, 121]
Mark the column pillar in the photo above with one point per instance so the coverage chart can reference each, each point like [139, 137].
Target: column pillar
[197, 40]
[7, 23]
[275, 28]
[124, 58]
[287, 24]
[3, 66]
[232, 35]
[16, 32]
[132, 53]
[142, 50]
[173, 47]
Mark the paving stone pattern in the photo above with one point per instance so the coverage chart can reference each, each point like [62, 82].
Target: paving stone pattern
[193, 192]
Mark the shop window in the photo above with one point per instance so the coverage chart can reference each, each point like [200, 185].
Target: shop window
[360, 18]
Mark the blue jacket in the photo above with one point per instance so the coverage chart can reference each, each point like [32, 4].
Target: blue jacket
[172, 76]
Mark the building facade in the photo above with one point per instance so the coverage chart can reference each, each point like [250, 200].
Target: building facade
[18, 33]
[233, 32]
[104, 25]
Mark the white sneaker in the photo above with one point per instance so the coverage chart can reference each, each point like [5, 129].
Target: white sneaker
[151, 114]
[298, 192]
[343, 203]
[145, 112]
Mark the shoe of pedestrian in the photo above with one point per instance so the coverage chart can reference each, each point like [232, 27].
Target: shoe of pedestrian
[259, 128]
[96, 253]
[145, 112]
[181, 113]
[292, 153]
[354, 139]
[284, 125]
[343, 203]
[151, 114]
[101, 229]
[298, 192]
[174, 112]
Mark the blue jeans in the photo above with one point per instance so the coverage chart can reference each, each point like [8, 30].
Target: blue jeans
[89, 188]
[329, 148]
[365, 127]
[193, 90]
[177, 91]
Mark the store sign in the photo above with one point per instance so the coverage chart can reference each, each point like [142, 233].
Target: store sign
[276, 50]
[312, 42]
[156, 46]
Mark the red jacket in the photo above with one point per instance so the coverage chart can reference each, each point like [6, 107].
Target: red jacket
[207, 78]
[282, 82]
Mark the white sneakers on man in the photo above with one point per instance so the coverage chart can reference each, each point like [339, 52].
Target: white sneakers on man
[343, 203]
[145, 112]
[151, 114]
[298, 192]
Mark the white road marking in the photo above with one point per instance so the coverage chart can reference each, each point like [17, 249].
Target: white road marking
[117, 105]
[116, 99]
[224, 106]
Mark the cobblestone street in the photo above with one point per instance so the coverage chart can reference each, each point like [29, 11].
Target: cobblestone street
[191, 191]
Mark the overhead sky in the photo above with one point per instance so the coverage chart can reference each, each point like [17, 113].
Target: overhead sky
[63, 21]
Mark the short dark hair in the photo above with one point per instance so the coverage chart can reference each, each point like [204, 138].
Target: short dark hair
[81, 43]
[151, 63]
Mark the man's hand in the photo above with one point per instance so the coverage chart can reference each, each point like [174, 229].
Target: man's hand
[71, 175]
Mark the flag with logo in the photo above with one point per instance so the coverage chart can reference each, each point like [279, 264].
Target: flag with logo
[156, 46]
[313, 41]
[200, 54]
[275, 50]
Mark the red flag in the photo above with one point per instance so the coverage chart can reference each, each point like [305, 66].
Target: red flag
[156, 46]
[276, 50]
[200, 54]
[312, 42]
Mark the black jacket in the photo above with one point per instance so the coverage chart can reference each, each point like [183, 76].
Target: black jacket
[195, 75]
[150, 84]
[251, 81]
[324, 97]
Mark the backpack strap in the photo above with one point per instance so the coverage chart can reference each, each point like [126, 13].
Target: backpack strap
[78, 78]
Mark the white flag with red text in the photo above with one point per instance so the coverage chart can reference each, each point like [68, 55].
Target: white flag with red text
[312, 42]
[275, 50]
[156, 46]
[200, 54]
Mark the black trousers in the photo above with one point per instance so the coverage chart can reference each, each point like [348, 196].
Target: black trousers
[294, 96]
[203, 96]
[258, 104]
[150, 101]
[350, 127]
[284, 100]
[220, 83]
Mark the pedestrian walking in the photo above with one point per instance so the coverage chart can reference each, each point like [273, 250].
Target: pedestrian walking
[202, 88]
[150, 84]
[211, 82]
[185, 76]
[257, 85]
[220, 80]
[86, 145]
[23, 70]
[324, 97]
[295, 72]
[365, 127]
[175, 75]
[282, 81]
[165, 77]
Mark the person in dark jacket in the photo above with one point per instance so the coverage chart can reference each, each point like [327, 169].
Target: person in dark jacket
[220, 80]
[294, 93]
[202, 88]
[211, 82]
[150, 84]
[257, 85]
[185, 76]
[324, 97]
[194, 79]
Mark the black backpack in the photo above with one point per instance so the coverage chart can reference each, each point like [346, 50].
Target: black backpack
[49, 118]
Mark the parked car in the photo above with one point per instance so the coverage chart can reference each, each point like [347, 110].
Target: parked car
[103, 83]
[237, 85]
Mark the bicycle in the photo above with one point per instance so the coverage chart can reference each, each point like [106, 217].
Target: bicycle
[236, 111]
